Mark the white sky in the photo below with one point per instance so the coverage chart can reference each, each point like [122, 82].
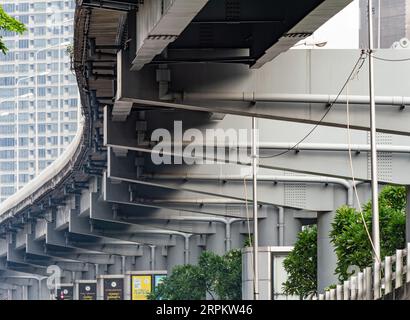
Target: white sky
[340, 32]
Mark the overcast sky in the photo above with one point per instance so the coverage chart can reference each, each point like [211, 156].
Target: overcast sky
[340, 32]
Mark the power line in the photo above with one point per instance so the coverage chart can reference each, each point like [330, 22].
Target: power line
[360, 62]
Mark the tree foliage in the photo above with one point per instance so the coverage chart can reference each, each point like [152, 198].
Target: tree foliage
[350, 240]
[349, 237]
[8, 23]
[301, 265]
[219, 277]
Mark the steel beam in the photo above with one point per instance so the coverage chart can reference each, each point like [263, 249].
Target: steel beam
[286, 74]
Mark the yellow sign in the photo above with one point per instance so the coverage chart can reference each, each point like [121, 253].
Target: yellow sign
[141, 286]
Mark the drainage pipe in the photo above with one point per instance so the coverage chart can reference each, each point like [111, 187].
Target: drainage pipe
[301, 146]
[272, 178]
[286, 97]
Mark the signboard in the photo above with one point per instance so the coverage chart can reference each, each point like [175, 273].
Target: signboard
[141, 286]
[113, 289]
[65, 293]
[158, 278]
[87, 291]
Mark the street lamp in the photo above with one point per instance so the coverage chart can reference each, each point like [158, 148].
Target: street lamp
[320, 44]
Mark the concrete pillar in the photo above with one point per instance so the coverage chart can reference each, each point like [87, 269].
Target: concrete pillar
[44, 292]
[33, 290]
[17, 294]
[115, 268]
[24, 292]
[268, 227]
[90, 274]
[237, 238]
[160, 258]
[143, 262]
[66, 276]
[194, 250]
[291, 228]
[176, 254]
[269, 234]
[216, 242]
[326, 257]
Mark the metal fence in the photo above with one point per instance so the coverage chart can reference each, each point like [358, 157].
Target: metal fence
[376, 282]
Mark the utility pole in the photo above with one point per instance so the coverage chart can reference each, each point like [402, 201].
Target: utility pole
[255, 211]
[375, 192]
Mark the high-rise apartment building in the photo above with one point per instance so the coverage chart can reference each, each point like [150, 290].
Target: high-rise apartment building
[38, 91]
[394, 16]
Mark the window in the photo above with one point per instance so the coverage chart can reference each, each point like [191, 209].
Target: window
[7, 68]
[40, 18]
[24, 44]
[7, 191]
[6, 142]
[10, 56]
[42, 164]
[41, 141]
[40, 6]
[24, 165]
[23, 142]
[24, 178]
[6, 129]
[23, 154]
[7, 81]
[24, 128]
[40, 43]
[23, 19]
[8, 7]
[24, 116]
[53, 140]
[23, 7]
[41, 128]
[7, 154]
[7, 166]
[7, 178]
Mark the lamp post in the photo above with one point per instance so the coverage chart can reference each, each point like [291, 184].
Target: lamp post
[374, 177]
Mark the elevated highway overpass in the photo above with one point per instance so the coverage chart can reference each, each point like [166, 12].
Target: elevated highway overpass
[105, 208]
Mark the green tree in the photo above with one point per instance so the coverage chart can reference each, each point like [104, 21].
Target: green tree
[349, 237]
[8, 23]
[350, 240]
[301, 265]
[215, 276]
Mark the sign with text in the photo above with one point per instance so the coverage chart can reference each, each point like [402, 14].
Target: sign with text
[87, 291]
[65, 293]
[113, 289]
[141, 286]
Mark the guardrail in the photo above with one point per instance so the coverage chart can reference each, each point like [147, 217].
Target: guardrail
[374, 283]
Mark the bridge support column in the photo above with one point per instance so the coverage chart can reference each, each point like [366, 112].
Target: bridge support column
[268, 227]
[216, 242]
[176, 254]
[116, 267]
[326, 257]
[17, 293]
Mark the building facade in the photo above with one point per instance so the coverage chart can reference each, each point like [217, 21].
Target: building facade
[38, 92]
[394, 16]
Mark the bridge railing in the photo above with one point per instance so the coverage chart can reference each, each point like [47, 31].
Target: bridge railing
[376, 282]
